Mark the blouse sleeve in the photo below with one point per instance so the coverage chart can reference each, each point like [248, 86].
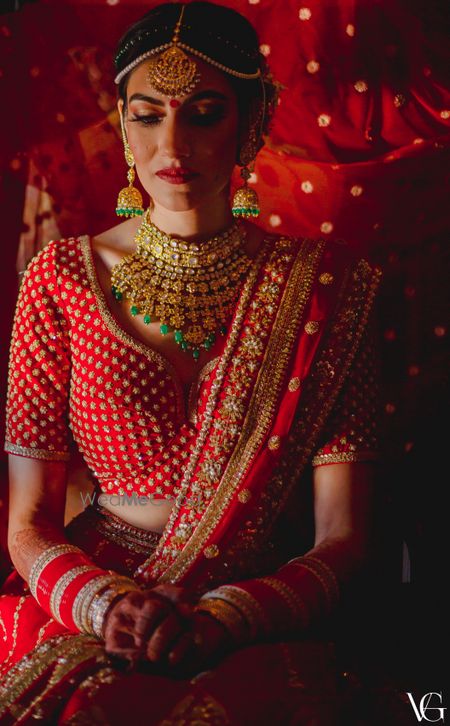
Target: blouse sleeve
[39, 367]
[352, 431]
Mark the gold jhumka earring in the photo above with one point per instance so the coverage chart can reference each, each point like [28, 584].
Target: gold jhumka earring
[129, 201]
[245, 199]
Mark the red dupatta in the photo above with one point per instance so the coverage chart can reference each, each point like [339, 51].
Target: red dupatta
[293, 337]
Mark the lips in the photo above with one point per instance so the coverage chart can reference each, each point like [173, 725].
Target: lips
[176, 175]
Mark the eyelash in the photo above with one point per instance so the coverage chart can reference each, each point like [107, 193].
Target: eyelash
[200, 120]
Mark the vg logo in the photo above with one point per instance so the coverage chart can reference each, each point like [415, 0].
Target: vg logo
[426, 710]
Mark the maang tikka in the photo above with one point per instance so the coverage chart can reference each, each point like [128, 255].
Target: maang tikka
[129, 201]
[173, 73]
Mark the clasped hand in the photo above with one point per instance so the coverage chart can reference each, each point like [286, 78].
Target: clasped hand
[161, 626]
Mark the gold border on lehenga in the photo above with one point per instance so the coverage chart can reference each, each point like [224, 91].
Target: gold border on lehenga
[262, 405]
[57, 657]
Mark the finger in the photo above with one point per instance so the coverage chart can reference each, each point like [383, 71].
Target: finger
[148, 618]
[182, 647]
[163, 637]
[120, 644]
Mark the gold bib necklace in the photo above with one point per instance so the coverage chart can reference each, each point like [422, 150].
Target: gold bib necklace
[190, 288]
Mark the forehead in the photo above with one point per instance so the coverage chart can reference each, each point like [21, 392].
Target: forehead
[211, 78]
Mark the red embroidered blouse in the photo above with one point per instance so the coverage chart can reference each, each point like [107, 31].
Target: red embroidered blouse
[74, 369]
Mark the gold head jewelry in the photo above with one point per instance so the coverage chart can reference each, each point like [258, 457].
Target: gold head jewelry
[245, 200]
[188, 287]
[129, 201]
[173, 73]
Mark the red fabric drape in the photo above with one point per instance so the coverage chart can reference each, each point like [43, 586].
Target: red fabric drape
[358, 152]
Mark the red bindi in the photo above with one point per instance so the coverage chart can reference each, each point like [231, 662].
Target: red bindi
[174, 103]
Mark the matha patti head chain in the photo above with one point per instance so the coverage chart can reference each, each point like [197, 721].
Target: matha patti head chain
[173, 72]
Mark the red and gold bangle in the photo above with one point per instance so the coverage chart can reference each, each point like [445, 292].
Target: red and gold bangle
[66, 589]
[244, 601]
[297, 612]
[53, 571]
[320, 571]
[44, 559]
[231, 618]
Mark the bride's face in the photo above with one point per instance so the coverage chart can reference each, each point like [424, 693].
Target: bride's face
[184, 149]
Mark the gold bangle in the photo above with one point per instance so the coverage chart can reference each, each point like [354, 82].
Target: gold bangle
[84, 598]
[295, 604]
[246, 604]
[232, 619]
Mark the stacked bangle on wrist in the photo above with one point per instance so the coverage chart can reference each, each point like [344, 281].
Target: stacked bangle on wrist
[74, 590]
[286, 602]
[231, 618]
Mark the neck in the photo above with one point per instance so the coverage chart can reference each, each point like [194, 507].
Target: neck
[194, 225]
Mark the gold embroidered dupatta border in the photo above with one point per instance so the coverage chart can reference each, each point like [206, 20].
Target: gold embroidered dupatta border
[262, 406]
[339, 346]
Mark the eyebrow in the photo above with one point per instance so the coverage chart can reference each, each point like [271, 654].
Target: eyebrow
[197, 97]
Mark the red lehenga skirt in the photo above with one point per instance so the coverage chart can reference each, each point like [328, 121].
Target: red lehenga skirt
[59, 677]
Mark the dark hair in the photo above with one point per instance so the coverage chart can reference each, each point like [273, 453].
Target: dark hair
[217, 31]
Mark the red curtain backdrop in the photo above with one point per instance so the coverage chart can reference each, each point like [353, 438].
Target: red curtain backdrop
[358, 153]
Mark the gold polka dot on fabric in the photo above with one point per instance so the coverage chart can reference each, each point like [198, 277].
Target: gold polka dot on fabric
[304, 14]
[356, 190]
[244, 496]
[313, 66]
[361, 86]
[326, 278]
[211, 551]
[445, 114]
[326, 227]
[399, 100]
[324, 120]
[275, 220]
[294, 384]
[307, 187]
[311, 327]
[274, 443]
[350, 30]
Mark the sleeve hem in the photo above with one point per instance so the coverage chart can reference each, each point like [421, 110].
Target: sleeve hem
[31, 453]
[344, 457]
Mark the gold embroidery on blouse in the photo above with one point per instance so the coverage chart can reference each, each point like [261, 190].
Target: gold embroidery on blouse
[32, 453]
[345, 456]
[122, 334]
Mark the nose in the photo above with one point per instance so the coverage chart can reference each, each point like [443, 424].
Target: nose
[174, 142]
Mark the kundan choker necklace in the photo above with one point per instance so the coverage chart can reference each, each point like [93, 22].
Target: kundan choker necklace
[190, 288]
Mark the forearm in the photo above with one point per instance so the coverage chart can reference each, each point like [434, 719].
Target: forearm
[63, 579]
[299, 594]
[25, 544]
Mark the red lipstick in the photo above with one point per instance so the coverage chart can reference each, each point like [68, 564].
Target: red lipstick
[176, 175]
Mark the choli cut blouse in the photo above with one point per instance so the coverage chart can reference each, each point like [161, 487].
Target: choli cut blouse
[76, 376]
